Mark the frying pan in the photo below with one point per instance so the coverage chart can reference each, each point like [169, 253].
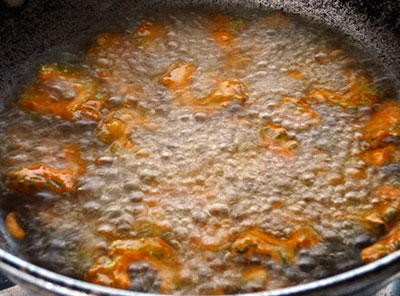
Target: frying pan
[28, 32]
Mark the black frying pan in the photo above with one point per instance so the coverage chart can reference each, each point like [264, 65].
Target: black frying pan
[28, 30]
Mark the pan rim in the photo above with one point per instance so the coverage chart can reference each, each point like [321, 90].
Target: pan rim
[53, 282]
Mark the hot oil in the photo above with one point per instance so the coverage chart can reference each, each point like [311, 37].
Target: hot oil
[197, 179]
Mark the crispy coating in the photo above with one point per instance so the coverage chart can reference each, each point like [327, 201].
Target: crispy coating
[227, 92]
[386, 246]
[385, 213]
[114, 129]
[13, 227]
[178, 78]
[255, 242]
[147, 32]
[301, 106]
[381, 156]
[43, 178]
[112, 270]
[63, 92]
[255, 277]
[225, 29]
[276, 139]
[385, 123]
[361, 93]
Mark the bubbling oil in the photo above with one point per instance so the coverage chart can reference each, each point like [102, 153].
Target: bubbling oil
[201, 179]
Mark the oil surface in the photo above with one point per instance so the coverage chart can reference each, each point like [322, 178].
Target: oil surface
[240, 157]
